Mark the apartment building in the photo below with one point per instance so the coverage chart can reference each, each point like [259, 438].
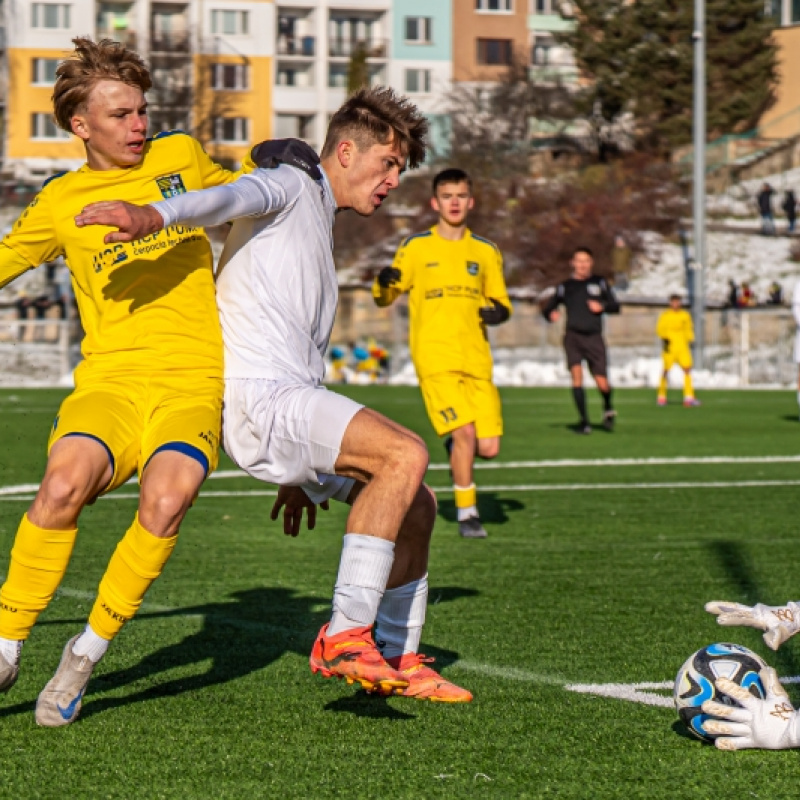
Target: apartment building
[211, 64]
[315, 41]
[421, 66]
[550, 61]
[783, 119]
[488, 36]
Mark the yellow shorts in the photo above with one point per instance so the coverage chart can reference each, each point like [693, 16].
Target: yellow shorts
[134, 417]
[682, 357]
[454, 400]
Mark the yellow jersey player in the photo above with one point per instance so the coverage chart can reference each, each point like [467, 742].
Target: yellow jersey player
[456, 289]
[676, 332]
[148, 393]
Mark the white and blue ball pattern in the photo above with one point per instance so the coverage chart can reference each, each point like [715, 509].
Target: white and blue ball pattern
[694, 683]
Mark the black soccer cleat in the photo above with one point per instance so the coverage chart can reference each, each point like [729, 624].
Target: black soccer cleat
[582, 428]
[608, 419]
[471, 528]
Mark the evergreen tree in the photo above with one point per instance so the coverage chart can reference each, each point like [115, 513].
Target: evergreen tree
[358, 69]
[638, 57]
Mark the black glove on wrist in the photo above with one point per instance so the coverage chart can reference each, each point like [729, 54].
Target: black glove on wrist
[388, 276]
[496, 314]
[665, 345]
[294, 152]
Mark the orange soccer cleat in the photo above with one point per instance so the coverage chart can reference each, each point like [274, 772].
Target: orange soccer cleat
[425, 683]
[352, 655]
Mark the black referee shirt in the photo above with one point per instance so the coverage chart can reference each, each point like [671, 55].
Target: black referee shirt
[574, 295]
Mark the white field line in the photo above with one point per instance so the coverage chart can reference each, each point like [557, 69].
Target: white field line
[642, 692]
[27, 488]
[508, 488]
[595, 462]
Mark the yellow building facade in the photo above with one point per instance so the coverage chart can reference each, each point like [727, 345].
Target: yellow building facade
[211, 62]
[783, 119]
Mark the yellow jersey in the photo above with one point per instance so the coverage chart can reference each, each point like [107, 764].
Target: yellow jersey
[676, 328]
[448, 282]
[147, 305]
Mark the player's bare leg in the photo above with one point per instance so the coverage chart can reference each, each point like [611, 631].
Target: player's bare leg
[170, 483]
[390, 461]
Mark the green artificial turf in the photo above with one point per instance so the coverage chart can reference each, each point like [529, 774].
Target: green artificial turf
[207, 693]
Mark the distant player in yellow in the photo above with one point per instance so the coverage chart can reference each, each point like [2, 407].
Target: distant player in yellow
[676, 333]
[456, 289]
[148, 393]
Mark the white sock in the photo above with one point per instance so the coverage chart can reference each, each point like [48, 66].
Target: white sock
[363, 572]
[466, 513]
[401, 615]
[10, 650]
[90, 644]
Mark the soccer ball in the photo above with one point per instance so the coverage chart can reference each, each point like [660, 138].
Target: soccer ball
[694, 683]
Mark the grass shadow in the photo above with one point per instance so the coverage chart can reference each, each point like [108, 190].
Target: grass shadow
[492, 507]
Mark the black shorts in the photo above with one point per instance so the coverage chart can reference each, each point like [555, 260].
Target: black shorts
[588, 347]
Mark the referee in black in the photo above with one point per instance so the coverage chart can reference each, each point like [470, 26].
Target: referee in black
[586, 298]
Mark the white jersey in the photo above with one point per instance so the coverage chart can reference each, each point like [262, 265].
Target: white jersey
[276, 282]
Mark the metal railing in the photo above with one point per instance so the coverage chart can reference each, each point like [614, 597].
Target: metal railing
[296, 46]
[346, 48]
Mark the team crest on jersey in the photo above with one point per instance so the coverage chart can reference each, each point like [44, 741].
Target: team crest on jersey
[171, 186]
[473, 267]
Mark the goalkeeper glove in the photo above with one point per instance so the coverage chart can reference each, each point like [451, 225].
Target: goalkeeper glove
[496, 314]
[779, 622]
[294, 152]
[769, 724]
[388, 276]
[665, 345]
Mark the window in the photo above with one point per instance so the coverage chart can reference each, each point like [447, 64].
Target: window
[503, 6]
[43, 126]
[418, 81]
[50, 15]
[230, 23]
[232, 130]
[230, 76]
[795, 11]
[419, 30]
[44, 70]
[495, 52]
[337, 76]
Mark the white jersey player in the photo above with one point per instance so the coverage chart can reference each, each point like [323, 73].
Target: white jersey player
[277, 295]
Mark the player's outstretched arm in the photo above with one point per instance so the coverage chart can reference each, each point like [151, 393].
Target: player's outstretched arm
[131, 221]
[778, 622]
[293, 500]
[769, 724]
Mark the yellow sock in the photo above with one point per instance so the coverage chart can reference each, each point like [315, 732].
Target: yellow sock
[39, 560]
[662, 387]
[466, 496]
[136, 563]
[688, 389]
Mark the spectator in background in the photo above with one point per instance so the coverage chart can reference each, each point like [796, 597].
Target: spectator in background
[764, 200]
[789, 207]
[746, 296]
[733, 294]
[775, 294]
[621, 262]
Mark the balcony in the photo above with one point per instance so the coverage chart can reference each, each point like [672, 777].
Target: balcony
[345, 48]
[296, 46]
[124, 37]
[177, 43]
